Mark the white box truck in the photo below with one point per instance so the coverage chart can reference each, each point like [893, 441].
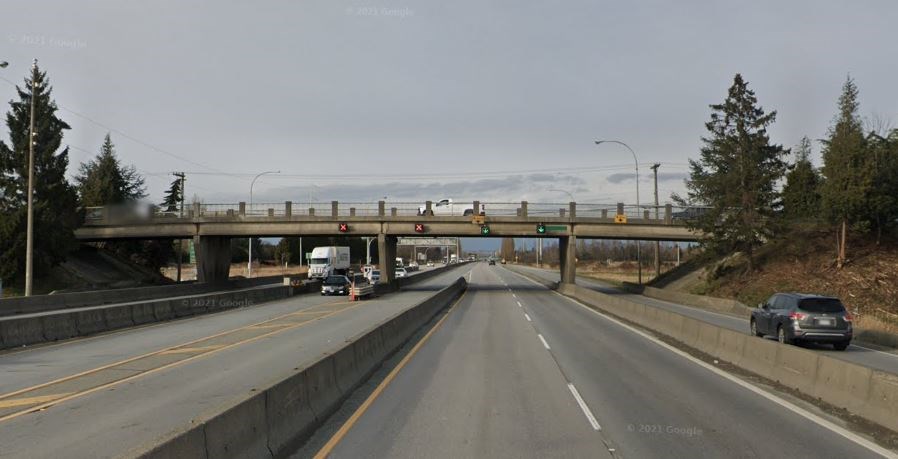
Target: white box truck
[328, 261]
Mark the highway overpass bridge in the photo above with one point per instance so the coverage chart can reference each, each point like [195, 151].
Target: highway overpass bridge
[213, 225]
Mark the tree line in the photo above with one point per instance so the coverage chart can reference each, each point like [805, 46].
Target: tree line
[57, 203]
[754, 193]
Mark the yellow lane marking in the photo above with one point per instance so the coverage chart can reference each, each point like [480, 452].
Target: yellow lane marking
[31, 400]
[131, 359]
[190, 350]
[265, 327]
[72, 395]
[344, 429]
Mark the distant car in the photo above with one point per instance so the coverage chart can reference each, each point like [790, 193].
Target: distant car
[401, 272]
[492, 262]
[412, 266]
[373, 276]
[447, 207]
[503, 261]
[797, 317]
[335, 285]
[430, 264]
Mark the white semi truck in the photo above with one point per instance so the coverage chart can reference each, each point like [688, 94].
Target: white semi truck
[328, 261]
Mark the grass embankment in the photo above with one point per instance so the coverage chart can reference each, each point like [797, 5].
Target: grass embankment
[805, 262]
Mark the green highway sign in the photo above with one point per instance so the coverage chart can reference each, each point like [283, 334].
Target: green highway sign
[556, 228]
[540, 228]
[484, 230]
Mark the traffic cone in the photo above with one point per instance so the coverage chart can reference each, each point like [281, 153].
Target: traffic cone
[352, 296]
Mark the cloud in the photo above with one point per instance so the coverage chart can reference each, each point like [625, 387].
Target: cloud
[514, 188]
[622, 177]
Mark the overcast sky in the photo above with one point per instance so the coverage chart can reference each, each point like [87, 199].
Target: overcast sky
[416, 100]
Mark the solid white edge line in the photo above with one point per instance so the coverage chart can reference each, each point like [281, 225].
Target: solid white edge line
[528, 317]
[519, 304]
[847, 434]
[514, 295]
[589, 417]
[545, 344]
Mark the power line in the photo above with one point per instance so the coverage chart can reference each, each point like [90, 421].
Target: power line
[129, 137]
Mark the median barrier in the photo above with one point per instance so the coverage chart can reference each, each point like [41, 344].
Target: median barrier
[882, 399]
[21, 331]
[44, 303]
[143, 313]
[90, 321]
[289, 413]
[867, 393]
[796, 368]
[241, 431]
[118, 317]
[284, 414]
[59, 326]
[164, 310]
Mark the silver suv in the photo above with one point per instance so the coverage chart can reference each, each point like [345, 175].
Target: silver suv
[798, 317]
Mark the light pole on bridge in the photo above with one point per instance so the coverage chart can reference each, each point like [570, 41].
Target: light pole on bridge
[636, 162]
[249, 263]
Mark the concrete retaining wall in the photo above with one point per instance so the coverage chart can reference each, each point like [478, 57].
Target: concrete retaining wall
[26, 329]
[275, 421]
[868, 393]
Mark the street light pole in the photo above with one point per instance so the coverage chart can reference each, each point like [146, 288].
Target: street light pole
[657, 243]
[29, 244]
[249, 263]
[636, 162]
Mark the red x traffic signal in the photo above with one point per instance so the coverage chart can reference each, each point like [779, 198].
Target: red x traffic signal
[344, 227]
[419, 227]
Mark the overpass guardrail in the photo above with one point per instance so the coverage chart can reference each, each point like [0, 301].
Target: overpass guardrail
[620, 212]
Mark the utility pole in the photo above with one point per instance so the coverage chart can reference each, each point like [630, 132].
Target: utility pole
[657, 243]
[29, 245]
[180, 175]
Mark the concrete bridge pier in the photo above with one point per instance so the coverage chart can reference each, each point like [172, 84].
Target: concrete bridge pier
[567, 252]
[213, 258]
[386, 250]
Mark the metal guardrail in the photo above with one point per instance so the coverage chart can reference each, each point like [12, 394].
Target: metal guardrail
[666, 214]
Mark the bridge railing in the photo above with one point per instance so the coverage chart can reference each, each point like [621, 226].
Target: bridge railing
[663, 214]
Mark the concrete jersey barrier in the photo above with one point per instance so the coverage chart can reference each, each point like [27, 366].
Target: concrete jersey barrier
[43, 303]
[870, 394]
[277, 420]
[28, 329]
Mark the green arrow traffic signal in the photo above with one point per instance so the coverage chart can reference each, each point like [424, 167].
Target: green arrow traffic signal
[540, 228]
[484, 230]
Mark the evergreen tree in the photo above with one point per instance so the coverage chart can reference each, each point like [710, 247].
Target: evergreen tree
[848, 170]
[55, 201]
[172, 200]
[801, 194]
[104, 181]
[736, 174]
[884, 193]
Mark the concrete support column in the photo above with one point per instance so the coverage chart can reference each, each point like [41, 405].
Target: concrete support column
[386, 250]
[567, 252]
[213, 258]
[523, 208]
[335, 208]
[288, 209]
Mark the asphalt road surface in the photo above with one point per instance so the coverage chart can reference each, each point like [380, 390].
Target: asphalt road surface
[859, 354]
[104, 395]
[516, 370]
